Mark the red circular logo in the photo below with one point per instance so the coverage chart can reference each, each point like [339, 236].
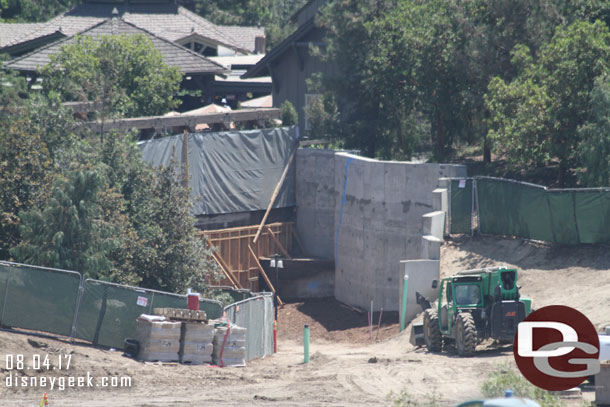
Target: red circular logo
[556, 348]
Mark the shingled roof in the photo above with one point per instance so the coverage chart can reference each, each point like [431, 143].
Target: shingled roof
[166, 20]
[187, 61]
[11, 31]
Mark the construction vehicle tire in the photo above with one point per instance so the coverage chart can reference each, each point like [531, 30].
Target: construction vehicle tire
[466, 334]
[432, 331]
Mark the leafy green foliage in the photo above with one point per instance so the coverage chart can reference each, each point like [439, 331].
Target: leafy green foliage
[32, 133]
[506, 377]
[594, 147]
[125, 73]
[323, 117]
[69, 232]
[404, 399]
[535, 118]
[181, 258]
[290, 117]
[33, 10]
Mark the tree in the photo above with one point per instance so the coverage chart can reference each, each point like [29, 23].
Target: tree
[290, 117]
[33, 10]
[398, 64]
[69, 232]
[535, 118]
[32, 134]
[594, 147]
[125, 73]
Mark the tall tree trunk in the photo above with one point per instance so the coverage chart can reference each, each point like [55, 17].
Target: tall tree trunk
[440, 136]
[486, 151]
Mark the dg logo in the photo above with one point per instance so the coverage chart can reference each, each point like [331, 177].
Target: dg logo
[557, 348]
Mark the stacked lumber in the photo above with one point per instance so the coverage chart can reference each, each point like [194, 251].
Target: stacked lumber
[230, 346]
[196, 345]
[159, 339]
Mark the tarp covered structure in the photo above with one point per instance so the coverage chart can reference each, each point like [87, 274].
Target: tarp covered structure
[233, 171]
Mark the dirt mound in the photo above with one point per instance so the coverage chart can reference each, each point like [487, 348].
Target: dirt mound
[332, 321]
[576, 276]
[346, 367]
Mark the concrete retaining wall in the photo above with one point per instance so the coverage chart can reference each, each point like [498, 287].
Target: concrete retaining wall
[379, 223]
[315, 197]
[367, 215]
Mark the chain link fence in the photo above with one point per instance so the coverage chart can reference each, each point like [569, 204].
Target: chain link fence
[63, 302]
[255, 314]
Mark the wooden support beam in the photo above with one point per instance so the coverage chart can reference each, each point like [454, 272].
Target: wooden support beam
[275, 193]
[277, 242]
[227, 271]
[163, 122]
[260, 268]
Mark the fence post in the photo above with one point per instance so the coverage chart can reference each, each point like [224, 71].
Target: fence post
[476, 204]
[8, 279]
[152, 299]
[79, 300]
[472, 207]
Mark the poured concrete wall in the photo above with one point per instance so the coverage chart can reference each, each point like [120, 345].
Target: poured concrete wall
[315, 197]
[373, 210]
[379, 223]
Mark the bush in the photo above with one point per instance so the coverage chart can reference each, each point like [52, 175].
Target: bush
[290, 117]
[506, 377]
[404, 399]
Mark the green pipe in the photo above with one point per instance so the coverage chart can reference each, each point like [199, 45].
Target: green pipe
[404, 303]
[306, 343]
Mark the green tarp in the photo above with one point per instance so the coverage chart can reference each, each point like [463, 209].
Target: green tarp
[533, 212]
[108, 312]
[461, 205]
[37, 298]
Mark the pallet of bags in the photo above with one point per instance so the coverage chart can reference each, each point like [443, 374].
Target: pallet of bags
[196, 345]
[159, 339]
[230, 346]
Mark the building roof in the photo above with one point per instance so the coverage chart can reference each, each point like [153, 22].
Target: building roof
[263, 101]
[238, 60]
[187, 61]
[165, 19]
[9, 32]
[262, 66]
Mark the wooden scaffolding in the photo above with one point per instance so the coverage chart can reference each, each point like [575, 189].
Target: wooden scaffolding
[238, 256]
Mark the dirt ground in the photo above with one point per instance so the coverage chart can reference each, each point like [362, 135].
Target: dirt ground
[346, 368]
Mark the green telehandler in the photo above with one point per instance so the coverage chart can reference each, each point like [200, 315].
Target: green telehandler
[474, 305]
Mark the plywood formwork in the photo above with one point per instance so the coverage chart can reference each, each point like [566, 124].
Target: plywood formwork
[232, 249]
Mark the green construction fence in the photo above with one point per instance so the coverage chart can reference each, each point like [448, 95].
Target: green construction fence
[62, 302]
[512, 208]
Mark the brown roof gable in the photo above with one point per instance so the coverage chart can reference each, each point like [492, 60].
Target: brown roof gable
[187, 61]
